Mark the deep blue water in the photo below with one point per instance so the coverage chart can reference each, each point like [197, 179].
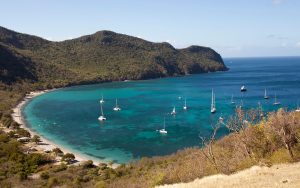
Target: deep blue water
[69, 116]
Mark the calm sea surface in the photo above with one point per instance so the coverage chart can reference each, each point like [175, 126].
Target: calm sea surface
[70, 116]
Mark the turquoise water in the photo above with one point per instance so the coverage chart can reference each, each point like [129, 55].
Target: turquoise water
[70, 116]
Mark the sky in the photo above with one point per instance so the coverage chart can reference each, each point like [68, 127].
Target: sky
[234, 28]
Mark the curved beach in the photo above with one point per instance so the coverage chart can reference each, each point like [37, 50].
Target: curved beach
[45, 145]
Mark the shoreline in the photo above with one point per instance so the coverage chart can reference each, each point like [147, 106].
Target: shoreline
[46, 144]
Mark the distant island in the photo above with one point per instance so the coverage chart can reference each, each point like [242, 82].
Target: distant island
[100, 57]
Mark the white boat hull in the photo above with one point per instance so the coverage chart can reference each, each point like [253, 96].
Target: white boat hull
[102, 118]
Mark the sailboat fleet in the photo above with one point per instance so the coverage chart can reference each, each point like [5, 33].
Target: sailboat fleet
[213, 108]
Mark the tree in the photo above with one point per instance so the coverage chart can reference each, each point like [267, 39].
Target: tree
[207, 145]
[36, 139]
[57, 151]
[283, 125]
[68, 157]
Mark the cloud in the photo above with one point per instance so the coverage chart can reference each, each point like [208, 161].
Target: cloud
[298, 44]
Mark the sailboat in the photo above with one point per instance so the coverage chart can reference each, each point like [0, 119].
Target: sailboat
[298, 108]
[102, 100]
[213, 102]
[232, 101]
[163, 131]
[266, 96]
[116, 108]
[173, 111]
[185, 107]
[276, 102]
[101, 117]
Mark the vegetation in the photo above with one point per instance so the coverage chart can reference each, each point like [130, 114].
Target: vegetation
[30, 63]
[254, 140]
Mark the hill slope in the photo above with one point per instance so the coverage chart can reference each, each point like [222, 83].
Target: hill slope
[102, 56]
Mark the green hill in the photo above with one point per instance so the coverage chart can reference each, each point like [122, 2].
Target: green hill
[102, 56]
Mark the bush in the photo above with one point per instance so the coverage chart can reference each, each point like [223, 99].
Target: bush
[36, 139]
[60, 168]
[68, 157]
[88, 164]
[44, 175]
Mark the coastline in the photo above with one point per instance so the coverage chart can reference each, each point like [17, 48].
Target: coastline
[46, 144]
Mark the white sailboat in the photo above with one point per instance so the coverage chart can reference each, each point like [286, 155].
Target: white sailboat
[232, 101]
[185, 107]
[266, 96]
[275, 100]
[173, 111]
[213, 102]
[101, 117]
[116, 108]
[163, 131]
[102, 100]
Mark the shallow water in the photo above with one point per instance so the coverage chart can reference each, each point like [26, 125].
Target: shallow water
[70, 116]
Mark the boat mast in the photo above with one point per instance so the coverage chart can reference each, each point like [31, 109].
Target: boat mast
[212, 99]
[101, 110]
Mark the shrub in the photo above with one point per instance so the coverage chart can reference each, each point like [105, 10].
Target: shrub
[36, 139]
[44, 175]
[68, 157]
[88, 164]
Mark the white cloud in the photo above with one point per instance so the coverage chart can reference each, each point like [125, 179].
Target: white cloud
[298, 44]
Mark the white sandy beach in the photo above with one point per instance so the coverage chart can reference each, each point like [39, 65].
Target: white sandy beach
[46, 145]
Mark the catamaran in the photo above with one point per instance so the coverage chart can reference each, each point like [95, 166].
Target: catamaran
[116, 108]
[163, 131]
[102, 100]
[275, 101]
[101, 117]
[213, 102]
[232, 101]
[185, 107]
[266, 96]
[173, 111]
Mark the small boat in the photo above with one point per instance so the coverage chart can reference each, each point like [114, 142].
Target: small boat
[102, 100]
[179, 97]
[101, 117]
[173, 111]
[117, 108]
[266, 96]
[232, 101]
[275, 101]
[243, 89]
[298, 108]
[163, 131]
[185, 107]
[213, 108]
